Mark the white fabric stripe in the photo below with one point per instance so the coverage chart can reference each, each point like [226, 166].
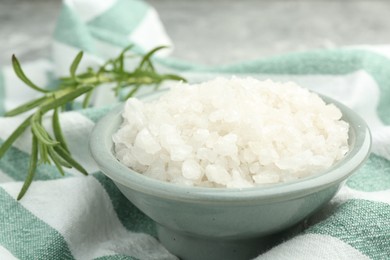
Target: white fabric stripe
[6, 255]
[150, 33]
[5, 178]
[16, 91]
[313, 246]
[86, 217]
[24, 141]
[347, 193]
[89, 9]
[383, 50]
[381, 141]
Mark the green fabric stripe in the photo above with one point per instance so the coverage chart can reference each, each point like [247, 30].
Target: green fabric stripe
[115, 39]
[72, 31]
[365, 225]
[15, 164]
[183, 65]
[2, 93]
[335, 62]
[52, 80]
[26, 236]
[113, 26]
[374, 175]
[116, 257]
[331, 62]
[94, 114]
[122, 18]
[130, 216]
[110, 37]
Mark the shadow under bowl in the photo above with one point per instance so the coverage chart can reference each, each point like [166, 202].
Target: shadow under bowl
[226, 223]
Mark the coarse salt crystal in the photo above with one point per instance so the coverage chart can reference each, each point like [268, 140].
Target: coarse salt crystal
[191, 170]
[236, 133]
[218, 174]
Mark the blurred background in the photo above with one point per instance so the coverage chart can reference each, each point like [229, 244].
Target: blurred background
[218, 32]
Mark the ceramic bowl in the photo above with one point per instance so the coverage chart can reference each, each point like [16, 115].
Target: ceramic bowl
[226, 223]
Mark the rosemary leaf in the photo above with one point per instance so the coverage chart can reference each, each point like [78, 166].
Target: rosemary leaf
[31, 169]
[19, 72]
[55, 160]
[121, 57]
[58, 166]
[68, 158]
[42, 148]
[40, 132]
[55, 156]
[148, 55]
[87, 99]
[173, 77]
[57, 130]
[133, 91]
[75, 65]
[25, 107]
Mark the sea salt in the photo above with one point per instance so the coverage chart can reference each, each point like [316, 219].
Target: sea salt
[234, 133]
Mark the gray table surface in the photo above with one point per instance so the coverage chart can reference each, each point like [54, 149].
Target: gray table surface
[217, 32]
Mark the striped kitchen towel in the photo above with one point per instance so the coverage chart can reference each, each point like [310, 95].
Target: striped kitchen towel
[77, 217]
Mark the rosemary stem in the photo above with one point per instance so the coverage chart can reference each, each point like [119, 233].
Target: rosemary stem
[49, 149]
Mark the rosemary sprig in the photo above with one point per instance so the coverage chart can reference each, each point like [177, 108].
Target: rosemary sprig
[53, 149]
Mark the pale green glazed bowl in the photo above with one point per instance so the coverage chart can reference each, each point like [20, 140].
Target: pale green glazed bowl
[221, 223]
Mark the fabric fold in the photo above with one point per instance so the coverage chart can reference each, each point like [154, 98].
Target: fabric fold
[77, 217]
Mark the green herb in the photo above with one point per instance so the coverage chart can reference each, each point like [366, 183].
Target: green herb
[53, 149]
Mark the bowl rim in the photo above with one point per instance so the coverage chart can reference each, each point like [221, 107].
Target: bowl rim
[101, 147]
